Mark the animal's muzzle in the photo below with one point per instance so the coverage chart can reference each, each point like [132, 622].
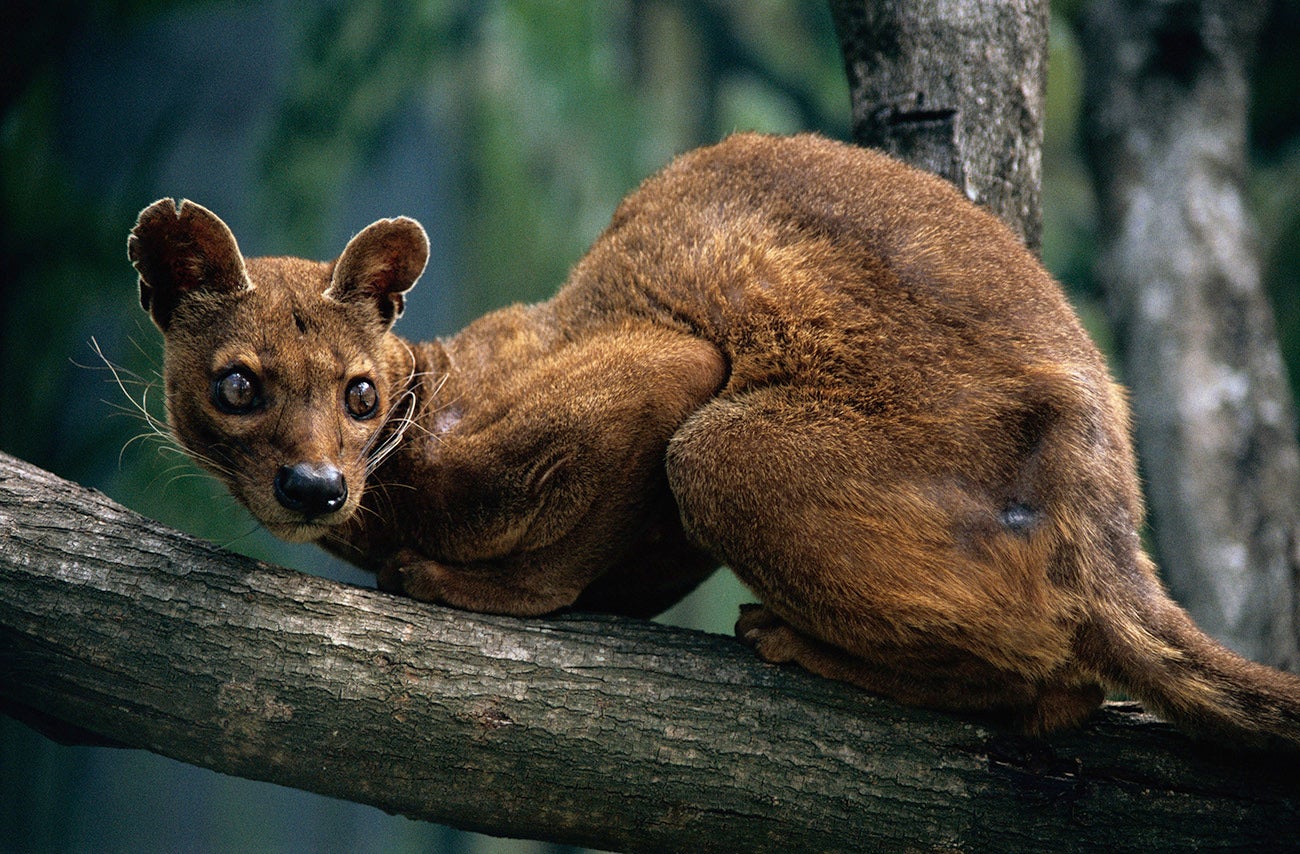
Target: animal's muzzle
[313, 489]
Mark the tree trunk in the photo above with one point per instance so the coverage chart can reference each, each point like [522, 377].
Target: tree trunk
[955, 88]
[1166, 108]
[612, 733]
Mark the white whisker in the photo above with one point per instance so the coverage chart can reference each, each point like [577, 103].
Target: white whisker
[157, 428]
[230, 542]
[401, 417]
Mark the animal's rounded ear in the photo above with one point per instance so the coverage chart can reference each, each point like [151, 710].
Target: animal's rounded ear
[379, 265]
[183, 250]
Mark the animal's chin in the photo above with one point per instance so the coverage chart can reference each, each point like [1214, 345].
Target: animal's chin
[304, 530]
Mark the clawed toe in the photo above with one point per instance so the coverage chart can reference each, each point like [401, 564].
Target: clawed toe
[768, 634]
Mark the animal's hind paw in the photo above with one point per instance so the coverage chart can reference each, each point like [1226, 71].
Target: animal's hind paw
[769, 635]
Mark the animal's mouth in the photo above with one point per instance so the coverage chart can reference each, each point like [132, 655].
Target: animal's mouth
[301, 525]
[305, 529]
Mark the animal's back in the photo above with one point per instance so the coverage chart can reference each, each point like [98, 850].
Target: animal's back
[804, 254]
[832, 269]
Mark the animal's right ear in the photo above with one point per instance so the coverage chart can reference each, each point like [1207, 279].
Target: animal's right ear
[379, 265]
[180, 251]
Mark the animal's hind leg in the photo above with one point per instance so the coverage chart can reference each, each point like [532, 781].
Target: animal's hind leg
[873, 569]
[1023, 704]
[778, 642]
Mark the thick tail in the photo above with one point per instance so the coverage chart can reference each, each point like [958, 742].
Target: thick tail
[1151, 649]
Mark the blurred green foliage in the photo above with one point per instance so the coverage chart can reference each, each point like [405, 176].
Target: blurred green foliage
[511, 128]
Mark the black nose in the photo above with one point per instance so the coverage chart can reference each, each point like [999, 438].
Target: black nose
[310, 488]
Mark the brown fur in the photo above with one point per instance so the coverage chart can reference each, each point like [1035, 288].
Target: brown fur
[805, 360]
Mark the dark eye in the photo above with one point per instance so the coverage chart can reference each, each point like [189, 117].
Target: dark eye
[236, 392]
[361, 398]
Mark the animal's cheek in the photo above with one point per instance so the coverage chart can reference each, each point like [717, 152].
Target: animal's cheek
[211, 443]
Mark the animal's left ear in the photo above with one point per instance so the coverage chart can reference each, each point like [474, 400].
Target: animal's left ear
[379, 265]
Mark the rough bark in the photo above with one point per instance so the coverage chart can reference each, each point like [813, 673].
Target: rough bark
[612, 733]
[1166, 118]
[956, 88]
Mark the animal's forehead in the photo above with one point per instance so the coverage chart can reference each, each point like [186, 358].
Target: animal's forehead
[289, 276]
[291, 317]
[287, 333]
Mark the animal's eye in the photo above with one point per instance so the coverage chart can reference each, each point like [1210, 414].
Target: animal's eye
[361, 398]
[236, 392]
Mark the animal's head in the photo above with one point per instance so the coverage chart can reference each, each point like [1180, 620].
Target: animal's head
[282, 376]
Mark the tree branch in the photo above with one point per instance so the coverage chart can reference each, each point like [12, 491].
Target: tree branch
[598, 731]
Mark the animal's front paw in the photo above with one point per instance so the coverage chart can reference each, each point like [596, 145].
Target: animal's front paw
[768, 634]
[426, 580]
[388, 578]
[408, 573]
[475, 587]
[412, 574]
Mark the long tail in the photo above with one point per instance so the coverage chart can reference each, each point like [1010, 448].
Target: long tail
[1149, 647]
